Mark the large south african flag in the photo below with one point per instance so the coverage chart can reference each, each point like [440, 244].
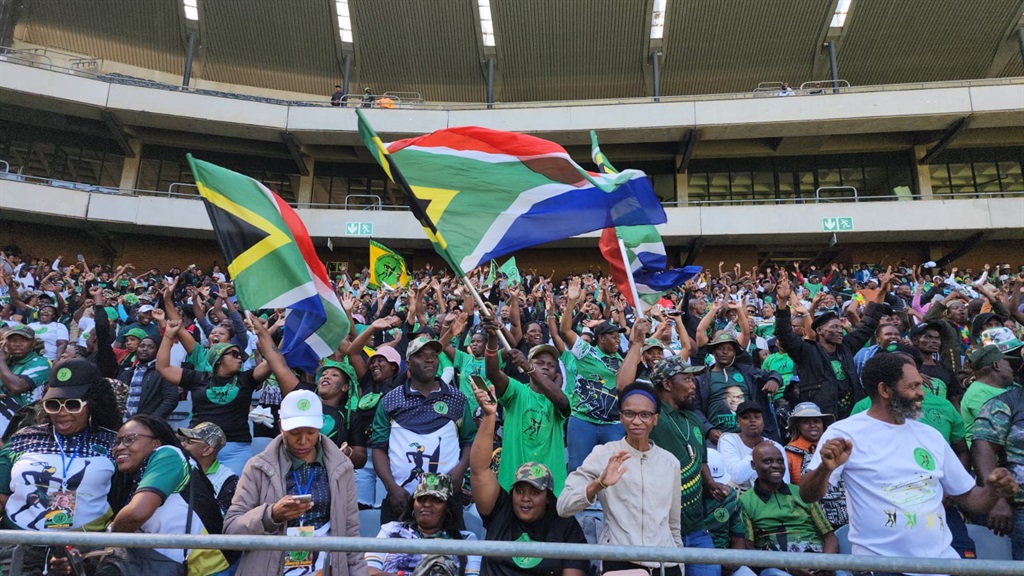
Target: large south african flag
[480, 194]
[272, 262]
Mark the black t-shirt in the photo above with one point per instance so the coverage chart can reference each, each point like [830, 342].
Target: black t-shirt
[953, 387]
[223, 401]
[370, 394]
[502, 525]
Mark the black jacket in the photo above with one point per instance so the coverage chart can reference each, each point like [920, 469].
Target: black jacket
[159, 397]
[817, 379]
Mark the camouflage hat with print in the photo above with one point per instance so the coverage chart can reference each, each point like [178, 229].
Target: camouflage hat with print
[433, 484]
[652, 343]
[207, 432]
[535, 474]
[214, 354]
[669, 367]
[21, 330]
[420, 343]
[71, 379]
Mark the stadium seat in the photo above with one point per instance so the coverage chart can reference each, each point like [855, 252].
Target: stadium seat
[988, 545]
[473, 522]
[369, 523]
[843, 534]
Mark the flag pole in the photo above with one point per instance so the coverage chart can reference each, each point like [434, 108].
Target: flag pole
[484, 310]
[629, 276]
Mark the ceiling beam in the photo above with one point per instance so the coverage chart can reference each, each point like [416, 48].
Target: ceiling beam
[1010, 46]
[295, 151]
[117, 132]
[955, 130]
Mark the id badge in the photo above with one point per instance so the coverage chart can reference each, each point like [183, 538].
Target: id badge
[300, 558]
[61, 513]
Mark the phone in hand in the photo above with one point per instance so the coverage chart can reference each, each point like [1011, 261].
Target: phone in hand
[481, 384]
[303, 498]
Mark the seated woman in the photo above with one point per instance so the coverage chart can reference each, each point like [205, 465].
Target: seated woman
[806, 425]
[56, 475]
[527, 514]
[156, 492]
[426, 515]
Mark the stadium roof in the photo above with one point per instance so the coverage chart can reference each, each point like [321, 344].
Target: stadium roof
[543, 49]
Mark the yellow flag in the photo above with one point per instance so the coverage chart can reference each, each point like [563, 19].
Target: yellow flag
[386, 267]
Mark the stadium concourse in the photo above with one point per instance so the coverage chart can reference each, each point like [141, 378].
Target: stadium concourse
[840, 264]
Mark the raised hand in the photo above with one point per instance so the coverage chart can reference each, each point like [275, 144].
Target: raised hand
[835, 452]
[172, 328]
[485, 398]
[615, 469]
[574, 291]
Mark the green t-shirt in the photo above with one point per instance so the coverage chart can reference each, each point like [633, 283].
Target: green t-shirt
[534, 431]
[782, 522]
[780, 362]
[197, 358]
[936, 412]
[724, 520]
[469, 365]
[594, 398]
[765, 329]
[166, 472]
[35, 368]
[679, 432]
[1001, 422]
[934, 386]
[974, 398]
[569, 361]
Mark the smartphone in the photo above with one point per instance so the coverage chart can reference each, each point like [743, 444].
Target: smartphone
[480, 383]
[303, 498]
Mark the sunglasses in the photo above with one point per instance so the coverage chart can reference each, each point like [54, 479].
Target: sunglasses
[233, 353]
[71, 405]
[129, 439]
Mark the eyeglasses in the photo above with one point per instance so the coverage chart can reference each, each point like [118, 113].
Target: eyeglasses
[71, 405]
[644, 416]
[129, 439]
[233, 353]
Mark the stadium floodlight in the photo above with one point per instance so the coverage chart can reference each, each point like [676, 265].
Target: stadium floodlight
[842, 11]
[191, 9]
[344, 21]
[658, 19]
[486, 22]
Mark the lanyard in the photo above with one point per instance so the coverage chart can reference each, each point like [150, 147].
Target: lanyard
[67, 465]
[307, 490]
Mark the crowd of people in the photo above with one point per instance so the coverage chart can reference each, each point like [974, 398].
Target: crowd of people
[761, 409]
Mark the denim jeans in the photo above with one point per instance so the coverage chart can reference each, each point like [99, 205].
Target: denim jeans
[701, 539]
[582, 436]
[370, 490]
[1017, 536]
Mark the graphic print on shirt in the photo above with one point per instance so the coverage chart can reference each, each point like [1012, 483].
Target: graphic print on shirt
[49, 489]
[222, 395]
[420, 464]
[594, 399]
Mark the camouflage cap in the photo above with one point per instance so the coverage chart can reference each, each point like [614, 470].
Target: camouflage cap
[669, 367]
[724, 337]
[433, 484]
[535, 474]
[207, 432]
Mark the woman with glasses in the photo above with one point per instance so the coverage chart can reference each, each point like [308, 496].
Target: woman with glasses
[637, 483]
[156, 491]
[223, 395]
[56, 475]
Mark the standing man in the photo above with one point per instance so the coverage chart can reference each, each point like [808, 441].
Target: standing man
[22, 372]
[999, 437]
[148, 391]
[993, 375]
[895, 490]
[680, 431]
[423, 425]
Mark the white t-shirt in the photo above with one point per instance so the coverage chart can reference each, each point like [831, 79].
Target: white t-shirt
[895, 479]
[49, 335]
[737, 458]
[86, 325]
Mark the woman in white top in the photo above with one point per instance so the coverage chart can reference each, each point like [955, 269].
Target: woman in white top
[736, 449]
[637, 483]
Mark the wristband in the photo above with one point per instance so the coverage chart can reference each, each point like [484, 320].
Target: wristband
[489, 354]
[601, 484]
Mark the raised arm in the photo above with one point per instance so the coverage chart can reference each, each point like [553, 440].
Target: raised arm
[572, 296]
[627, 371]
[163, 356]
[493, 368]
[707, 321]
[514, 315]
[273, 360]
[482, 479]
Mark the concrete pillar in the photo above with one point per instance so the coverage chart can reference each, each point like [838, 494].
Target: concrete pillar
[682, 188]
[130, 170]
[305, 193]
[924, 174]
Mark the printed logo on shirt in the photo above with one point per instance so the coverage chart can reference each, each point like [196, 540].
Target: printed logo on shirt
[522, 561]
[924, 459]
[41, 330]
[328, 428]
[721, 515]
[838, 370]
[737, 377]
[440, 407]
[222, 395]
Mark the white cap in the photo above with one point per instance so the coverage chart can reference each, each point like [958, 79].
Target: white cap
[717, 465]
[301, 409]
[145, 308]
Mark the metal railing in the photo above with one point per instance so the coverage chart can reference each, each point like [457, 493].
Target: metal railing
[7, 166]
[765, 88]
[377, 205]
[174, 185]
[822, 86]
[494, 548]
[817, 193]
